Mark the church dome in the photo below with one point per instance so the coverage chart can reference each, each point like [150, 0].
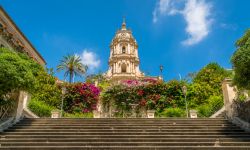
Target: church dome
[123, 35]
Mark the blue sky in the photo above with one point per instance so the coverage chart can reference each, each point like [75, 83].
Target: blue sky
[183, 35]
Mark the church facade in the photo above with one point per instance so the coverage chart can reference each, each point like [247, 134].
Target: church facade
[124, 58]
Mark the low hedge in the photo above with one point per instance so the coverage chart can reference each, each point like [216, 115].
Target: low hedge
[214, 104]
[172, 112]
[40, 108]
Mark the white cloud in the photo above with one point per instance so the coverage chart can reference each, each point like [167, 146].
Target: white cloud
[90, 59]
[197, 16]
[195, 12]
[166, 7]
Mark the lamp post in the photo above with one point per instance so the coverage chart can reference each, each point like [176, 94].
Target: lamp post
[63, 93]
[184, 90]
[161, 69]
[123, 107]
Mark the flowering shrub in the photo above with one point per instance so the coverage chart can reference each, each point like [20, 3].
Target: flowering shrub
[147, 94]
[81, 97]
[142, 82]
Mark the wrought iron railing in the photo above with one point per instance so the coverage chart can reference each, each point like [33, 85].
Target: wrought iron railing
[7, 109]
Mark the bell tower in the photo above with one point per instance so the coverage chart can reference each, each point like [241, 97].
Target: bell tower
[124, 60]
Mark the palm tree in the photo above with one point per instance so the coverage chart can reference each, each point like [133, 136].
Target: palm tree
[72, 66]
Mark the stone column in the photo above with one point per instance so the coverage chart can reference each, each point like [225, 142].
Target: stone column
[133, 67]
[130, 67]
[115, 68]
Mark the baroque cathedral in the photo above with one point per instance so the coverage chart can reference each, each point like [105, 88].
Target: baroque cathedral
[124, 59]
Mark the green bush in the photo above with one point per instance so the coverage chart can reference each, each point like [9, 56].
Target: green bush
[172, 112]
[214, 104]
[46, 89]
[204, 111]
[40, 108]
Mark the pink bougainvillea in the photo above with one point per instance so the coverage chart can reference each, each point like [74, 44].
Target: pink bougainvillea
[132, 83]
[148, 93]
[81, 97]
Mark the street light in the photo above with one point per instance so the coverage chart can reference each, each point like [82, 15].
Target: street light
[161, 69]
[63, 93]
[184, 90]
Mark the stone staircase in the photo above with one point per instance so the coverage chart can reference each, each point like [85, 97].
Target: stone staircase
[121, 134]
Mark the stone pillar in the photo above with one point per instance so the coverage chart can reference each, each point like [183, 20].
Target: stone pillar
[55, 114]
[193, 114]
[128, 48]
[23, 99]
[229, 93]
[130, 67]
[133, 68]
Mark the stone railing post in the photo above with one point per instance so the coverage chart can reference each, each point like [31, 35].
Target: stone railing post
[229, 94]
[23, 99]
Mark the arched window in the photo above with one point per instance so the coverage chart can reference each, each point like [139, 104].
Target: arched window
[123, 50]
[124, 68]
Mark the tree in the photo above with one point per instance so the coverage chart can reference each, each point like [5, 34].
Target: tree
[18, 72]
[241, 62]
[46, 89]
[212, 75]
[72, 66]
[46, 95]
[95, 77]
[206, 83]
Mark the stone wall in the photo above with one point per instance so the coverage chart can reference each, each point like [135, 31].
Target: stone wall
[236, 111]
[242, 110]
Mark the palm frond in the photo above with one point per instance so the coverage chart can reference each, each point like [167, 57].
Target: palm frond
[72, 65]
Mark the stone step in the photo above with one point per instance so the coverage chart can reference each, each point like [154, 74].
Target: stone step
[124, 119]
[130, 136]
[135, 139]
[127, 125]
[132, 133]
[117, 123]
[126, 130]
[126, 147]
[123, 127]
[5, 144]
[124, 133]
